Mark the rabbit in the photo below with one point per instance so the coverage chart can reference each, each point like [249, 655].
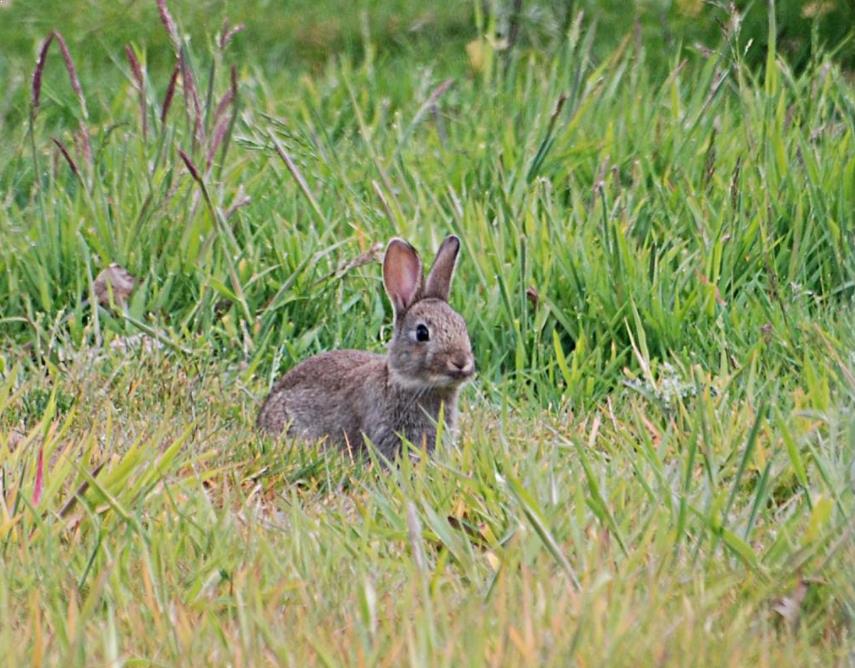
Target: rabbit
[348, 396]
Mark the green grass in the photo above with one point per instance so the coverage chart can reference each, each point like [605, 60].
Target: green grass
[657, 461]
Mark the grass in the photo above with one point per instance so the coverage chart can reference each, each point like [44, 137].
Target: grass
[656, 462]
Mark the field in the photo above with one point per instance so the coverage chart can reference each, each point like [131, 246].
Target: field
[656, 463]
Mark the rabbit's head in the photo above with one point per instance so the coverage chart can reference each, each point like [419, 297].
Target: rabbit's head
[430, 347]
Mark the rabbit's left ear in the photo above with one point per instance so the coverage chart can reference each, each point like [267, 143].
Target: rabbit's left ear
[438, 282]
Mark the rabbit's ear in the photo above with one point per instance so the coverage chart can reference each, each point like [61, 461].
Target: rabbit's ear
[402, 274]
[439, 279]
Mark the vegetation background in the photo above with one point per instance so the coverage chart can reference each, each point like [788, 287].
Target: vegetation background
[657, 462]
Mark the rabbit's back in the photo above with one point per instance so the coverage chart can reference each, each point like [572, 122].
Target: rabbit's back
[323, 396]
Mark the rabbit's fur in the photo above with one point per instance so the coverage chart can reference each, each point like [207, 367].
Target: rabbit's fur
[346, 396]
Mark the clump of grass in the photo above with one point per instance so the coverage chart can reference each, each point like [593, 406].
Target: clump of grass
[713, 528]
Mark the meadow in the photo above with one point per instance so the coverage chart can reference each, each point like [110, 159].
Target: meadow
[656, 463]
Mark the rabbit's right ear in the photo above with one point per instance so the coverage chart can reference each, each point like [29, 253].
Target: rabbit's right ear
[438, 282]
[402, 274]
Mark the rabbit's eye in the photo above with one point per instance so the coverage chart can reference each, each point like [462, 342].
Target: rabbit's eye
[422, 333]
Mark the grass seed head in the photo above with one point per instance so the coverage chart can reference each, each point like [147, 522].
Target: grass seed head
[227, 34]
[191, 167]
[169, 24]
[39, 71]
[170, 92]
[67, 156]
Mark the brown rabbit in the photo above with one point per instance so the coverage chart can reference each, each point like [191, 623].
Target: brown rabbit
[347, 396]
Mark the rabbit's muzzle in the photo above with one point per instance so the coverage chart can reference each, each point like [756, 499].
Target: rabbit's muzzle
[460, 367]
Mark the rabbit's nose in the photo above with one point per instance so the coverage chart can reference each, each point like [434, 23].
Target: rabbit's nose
[462, 364]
